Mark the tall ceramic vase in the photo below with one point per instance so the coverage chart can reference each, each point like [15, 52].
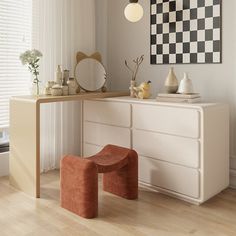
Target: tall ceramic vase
[171, 83]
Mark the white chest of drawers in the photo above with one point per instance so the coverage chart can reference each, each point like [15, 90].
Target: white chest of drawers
[183, 148]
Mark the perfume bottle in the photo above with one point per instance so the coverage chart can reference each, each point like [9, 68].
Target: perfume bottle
[58, 75]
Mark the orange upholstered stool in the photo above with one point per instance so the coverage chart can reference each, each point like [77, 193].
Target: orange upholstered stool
[79, 179]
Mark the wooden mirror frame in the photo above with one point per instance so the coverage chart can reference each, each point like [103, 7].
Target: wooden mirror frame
[96, 56]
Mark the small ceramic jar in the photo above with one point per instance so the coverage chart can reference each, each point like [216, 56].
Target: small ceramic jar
[56, 90]
[49, 85]
[73, 86]
[65, 90]
[47, 91]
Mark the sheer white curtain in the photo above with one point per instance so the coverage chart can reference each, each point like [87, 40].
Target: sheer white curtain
[60, 29]
[15, 38]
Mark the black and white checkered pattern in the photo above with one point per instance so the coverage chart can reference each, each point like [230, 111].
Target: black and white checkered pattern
[185, 31]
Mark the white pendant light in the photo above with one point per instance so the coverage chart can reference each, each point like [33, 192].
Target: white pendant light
[133, 11]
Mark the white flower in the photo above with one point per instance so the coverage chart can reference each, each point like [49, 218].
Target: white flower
[30, 56]
[36, 53]
[31, 59]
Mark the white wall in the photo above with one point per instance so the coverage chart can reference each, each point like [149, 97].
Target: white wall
[126, 40]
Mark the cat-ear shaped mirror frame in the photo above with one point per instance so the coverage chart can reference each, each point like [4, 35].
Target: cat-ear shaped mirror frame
[90, 73]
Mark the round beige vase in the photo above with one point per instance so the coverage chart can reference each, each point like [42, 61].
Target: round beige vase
[171, 83]
[186, 85]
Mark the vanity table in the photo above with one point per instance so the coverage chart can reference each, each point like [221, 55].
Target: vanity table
[25, 137]
[183, 148]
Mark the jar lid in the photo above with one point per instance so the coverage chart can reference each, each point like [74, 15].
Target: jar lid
[57, 87]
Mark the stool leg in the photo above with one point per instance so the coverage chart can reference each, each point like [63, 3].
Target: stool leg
[79, 186]
[124, 182]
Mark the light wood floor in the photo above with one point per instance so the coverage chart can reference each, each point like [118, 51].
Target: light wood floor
[153, 214]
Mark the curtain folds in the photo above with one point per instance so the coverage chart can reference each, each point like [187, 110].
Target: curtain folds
[60, 29]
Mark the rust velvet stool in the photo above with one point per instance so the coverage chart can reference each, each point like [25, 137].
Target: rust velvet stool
[79, 179]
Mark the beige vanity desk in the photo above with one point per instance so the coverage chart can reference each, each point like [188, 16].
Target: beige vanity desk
[25, 137]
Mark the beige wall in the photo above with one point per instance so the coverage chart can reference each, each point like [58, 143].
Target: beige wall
[101, 27]
[4, 164]
[127, 41]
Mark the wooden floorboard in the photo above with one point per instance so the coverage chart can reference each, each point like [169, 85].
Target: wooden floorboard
[154, 214]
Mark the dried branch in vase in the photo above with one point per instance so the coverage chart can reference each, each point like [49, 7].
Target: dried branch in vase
[138, 61]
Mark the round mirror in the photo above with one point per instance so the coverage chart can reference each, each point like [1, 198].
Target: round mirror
[90, 74]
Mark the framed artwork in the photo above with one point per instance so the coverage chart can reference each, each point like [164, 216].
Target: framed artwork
[186, 31]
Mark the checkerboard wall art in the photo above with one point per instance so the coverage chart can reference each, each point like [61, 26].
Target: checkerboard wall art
[185, 31]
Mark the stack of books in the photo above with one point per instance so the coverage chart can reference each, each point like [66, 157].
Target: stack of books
[179, 98]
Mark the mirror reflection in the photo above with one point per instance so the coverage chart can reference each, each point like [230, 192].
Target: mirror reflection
[90, 74]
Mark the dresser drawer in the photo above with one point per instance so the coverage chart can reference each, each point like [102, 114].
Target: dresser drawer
[174, 149]
[172, 177]
[170, 120]
[102, 135]
[110, 113]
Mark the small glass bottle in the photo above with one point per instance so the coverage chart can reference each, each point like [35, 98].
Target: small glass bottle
[66, 76]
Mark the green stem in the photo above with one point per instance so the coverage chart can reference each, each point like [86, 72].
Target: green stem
[33, 67]
[37, 84]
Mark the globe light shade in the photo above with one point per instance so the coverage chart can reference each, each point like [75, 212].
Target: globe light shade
[133, 12]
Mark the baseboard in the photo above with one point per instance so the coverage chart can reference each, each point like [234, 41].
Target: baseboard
[4, 164]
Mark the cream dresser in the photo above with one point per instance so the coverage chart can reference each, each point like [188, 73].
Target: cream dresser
[183, 148]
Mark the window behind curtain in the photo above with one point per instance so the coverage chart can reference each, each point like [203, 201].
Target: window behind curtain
[15, 38]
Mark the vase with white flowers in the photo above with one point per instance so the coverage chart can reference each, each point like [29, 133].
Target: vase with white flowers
[31, 58]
